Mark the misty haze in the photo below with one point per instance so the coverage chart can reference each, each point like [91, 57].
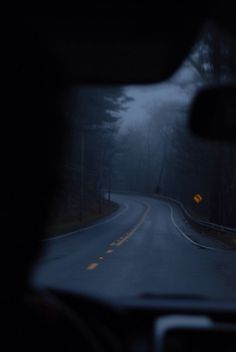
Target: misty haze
[139, 192]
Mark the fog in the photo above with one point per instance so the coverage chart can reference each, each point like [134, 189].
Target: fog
[178, 89]
[137, 139]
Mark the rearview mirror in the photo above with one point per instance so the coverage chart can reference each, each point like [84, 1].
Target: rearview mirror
[213, 113]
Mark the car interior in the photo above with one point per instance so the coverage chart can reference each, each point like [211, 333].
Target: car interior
[42, 56]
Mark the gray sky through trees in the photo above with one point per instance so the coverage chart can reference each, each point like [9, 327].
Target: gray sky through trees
[180, 88]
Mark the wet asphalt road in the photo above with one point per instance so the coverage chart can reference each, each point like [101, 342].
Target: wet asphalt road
[146, 247]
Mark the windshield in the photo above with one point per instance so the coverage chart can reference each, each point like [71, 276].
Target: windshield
[145, 207]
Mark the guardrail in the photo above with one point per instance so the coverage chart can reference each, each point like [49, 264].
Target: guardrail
[199, 222]
[185, 211]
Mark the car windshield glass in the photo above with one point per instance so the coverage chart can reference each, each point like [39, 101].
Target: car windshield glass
[145, 207]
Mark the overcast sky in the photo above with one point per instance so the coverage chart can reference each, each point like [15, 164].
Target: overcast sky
[179, 88]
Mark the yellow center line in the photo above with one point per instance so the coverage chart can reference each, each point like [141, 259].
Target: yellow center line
[92, 266]
[123, 238]
[132, 231]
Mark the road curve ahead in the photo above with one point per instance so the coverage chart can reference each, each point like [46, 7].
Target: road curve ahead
[146, 247]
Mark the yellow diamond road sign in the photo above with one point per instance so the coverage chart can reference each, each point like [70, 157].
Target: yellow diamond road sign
[198, 198]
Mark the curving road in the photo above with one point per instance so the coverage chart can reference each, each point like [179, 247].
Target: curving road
[146, 247]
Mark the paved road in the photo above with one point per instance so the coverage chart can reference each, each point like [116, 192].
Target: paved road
[145, 248]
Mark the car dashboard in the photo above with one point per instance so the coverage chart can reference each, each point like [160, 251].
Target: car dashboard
[156, 324]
